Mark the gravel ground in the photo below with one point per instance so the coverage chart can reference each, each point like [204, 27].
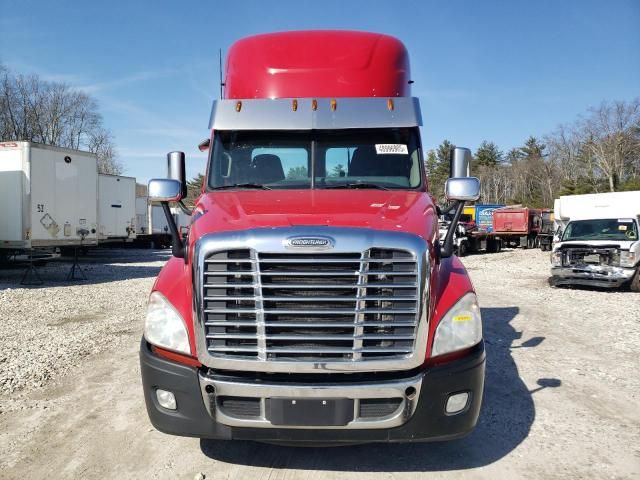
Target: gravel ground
[561, 396]
[67, 321]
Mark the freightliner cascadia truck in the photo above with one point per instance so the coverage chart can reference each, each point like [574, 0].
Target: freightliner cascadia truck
[312, 301]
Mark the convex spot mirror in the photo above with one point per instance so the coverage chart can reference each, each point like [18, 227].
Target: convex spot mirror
[465, 189]
[165, 190]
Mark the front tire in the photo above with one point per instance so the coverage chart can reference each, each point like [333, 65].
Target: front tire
[635, 281]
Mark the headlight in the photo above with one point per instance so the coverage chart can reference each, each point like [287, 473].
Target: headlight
[460, 328]
[164, 326]
[627, 259]
[556, 258]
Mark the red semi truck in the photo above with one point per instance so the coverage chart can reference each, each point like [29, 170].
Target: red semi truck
[312, 301]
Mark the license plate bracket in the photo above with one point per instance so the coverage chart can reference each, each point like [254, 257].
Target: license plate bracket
[591, 259]
[309, 412]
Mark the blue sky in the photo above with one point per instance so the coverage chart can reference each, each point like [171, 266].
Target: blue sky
[500, 70]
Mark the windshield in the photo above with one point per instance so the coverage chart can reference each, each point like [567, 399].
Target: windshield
[601, 229]
[383, 158]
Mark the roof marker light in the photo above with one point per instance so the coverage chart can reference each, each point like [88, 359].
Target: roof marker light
[334, 104]
[390, 104]
[238, 106]
[314, 104]
[294, 105]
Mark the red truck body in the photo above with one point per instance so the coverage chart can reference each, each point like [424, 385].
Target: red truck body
[230, 381]
[521, 221]
[518, 225]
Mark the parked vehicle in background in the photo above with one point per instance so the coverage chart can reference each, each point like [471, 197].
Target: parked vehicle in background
[461, 242]
[312, 302]
[468, 237]
[142, 212]
[48, 195]
[152, 228]
[116, 208]
[484, 216]
[597, 242]
[470, 212]
[518, 226]
[545, 236]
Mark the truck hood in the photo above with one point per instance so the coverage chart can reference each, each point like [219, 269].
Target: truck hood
[624, 245]
[401, 211]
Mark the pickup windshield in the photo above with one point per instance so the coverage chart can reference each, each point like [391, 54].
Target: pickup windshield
[601, 229]
[387, 158]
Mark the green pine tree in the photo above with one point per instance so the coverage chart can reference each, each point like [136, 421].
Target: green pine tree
[194, 187]
[487, 155]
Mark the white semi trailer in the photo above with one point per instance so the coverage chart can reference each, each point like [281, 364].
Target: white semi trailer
[152, 228]
[48, 196]
[116, 208]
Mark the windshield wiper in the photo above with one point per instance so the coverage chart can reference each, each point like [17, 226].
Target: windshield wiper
[357, 185]
[243, 185]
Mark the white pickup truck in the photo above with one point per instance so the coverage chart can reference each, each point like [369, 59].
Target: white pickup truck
[597, 241]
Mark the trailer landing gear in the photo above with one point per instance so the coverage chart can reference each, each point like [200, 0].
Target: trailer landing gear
[75, 267]
[31, 271]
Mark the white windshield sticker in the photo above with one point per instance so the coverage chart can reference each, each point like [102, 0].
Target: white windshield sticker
[391, 148]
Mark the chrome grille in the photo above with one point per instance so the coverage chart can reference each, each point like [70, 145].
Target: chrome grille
[311, 306]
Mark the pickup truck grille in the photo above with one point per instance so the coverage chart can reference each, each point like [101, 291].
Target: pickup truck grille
[310, 306]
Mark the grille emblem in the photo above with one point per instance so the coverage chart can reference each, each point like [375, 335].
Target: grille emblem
[316, 243]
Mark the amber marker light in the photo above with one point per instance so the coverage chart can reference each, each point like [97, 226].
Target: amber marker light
[314, 104]
[334, 104]
[390, 104]
[238, 106]
[294, 105]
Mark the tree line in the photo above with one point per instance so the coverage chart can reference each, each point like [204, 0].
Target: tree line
[54, 113]
[599, 152]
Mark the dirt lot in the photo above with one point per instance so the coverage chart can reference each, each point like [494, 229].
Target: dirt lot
[561, 400]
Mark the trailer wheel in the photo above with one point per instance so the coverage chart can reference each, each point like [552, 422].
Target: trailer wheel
[531, 242]
[498, 246]
[463, 249]
[635, 281]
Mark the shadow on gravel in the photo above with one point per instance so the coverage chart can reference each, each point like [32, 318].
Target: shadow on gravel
[507, 415]
[98, 266]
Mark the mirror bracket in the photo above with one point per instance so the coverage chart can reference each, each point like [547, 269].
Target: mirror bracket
[447, 246]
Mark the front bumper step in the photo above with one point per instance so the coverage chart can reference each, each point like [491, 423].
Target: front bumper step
[421, 419]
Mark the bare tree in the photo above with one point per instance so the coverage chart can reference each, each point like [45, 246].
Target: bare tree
[53, 113]
[610, 136]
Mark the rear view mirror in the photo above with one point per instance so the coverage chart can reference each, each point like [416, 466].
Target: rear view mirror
[459, 188]
[165, 190]
[466, 189]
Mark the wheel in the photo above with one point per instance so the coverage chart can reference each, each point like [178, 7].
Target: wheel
[635, 281]
[498, 246]
[462, 249]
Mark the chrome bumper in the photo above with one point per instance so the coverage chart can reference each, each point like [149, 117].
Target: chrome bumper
[407, 389]
[595, 275]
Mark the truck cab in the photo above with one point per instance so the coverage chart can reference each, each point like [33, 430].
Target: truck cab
[313, 301]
